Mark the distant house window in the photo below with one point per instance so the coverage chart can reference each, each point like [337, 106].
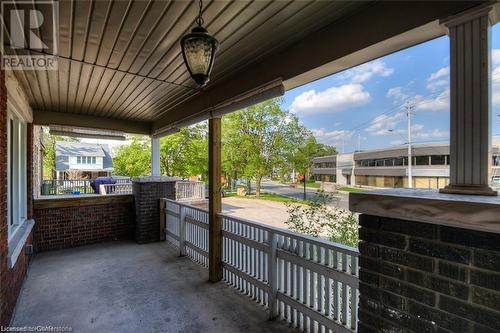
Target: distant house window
[86, 160]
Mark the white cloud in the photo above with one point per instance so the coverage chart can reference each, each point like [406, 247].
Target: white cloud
[420, 133]
[365, 72]
[438, 103]
[436, 85]
[495, 57]
[495, 77]
[439, 80]
[397, 94]
[334, 99]
[440, 73]
[333, 138]
[383, 124]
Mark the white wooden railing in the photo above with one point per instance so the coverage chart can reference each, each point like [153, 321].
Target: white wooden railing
[309, 282]
[106, 189]
[188, 190]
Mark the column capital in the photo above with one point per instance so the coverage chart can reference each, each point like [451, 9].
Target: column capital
[490, 9]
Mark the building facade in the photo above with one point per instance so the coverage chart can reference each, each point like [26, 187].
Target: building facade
[86, 160]
[388, 167]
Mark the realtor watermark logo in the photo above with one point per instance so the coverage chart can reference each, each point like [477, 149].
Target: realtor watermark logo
[30, 35]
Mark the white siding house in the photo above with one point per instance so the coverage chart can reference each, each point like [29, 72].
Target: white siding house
[92, 160]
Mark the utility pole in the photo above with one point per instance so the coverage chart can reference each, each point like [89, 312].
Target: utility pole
[409, 108]
[359, 142]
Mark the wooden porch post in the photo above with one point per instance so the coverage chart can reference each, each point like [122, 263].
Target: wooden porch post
[214, 200]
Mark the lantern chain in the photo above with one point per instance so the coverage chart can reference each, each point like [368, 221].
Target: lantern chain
[200, 20]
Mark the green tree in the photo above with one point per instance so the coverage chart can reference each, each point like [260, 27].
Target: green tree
[302, 157]
[257, 140]
[133, 159]
[49, 157]
[185, 153]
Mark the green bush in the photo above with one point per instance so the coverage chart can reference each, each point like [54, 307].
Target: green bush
[318, 219]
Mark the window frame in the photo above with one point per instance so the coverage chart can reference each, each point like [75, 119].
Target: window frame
[17, 192]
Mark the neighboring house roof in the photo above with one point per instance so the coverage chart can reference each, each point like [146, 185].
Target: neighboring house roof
[66, 149]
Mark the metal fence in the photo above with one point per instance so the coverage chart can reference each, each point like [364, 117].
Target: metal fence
[309, 282]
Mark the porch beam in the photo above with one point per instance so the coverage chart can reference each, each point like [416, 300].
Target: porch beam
[470, 114]
[47, 118]
[214, 200]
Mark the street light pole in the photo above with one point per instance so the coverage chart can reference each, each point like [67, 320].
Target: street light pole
[409, 108]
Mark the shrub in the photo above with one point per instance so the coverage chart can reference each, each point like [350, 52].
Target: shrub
[319, 219]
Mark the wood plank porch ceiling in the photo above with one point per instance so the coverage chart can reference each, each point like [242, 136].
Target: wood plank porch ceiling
[122, 59]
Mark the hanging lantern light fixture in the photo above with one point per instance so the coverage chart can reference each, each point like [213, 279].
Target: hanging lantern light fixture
[198, 51]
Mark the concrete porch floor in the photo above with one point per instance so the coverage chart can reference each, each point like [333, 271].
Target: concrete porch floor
[126, 287]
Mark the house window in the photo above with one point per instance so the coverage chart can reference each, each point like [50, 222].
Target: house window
[86, 160]
[16, 177]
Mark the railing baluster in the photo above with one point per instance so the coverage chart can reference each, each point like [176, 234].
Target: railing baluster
[273, 274]
[182, 230]
[277, 268]
[344, 291]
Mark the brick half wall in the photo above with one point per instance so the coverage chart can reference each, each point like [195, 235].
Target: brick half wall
[419, 277]
[64, 223]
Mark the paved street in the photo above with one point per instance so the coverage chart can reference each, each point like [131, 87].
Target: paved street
[298, 193]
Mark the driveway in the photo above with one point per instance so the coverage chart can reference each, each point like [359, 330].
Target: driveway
[268, 212]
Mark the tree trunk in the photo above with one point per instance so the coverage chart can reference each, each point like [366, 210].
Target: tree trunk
[257, 186]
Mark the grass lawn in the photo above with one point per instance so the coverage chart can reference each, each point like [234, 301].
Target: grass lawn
[271, 197]
[351, 189]
[313, 184]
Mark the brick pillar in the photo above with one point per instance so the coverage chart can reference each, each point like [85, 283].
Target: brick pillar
[147, 194]
[420, 277]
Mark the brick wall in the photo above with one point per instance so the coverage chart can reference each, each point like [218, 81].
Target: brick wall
[11, 279]
[147, 196]
[418, 277]
[67, 223]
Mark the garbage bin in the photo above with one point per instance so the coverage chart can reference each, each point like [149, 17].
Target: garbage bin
[95, 184]
[45, 189]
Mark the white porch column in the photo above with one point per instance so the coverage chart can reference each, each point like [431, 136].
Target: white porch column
[470, 117]
[155, 156]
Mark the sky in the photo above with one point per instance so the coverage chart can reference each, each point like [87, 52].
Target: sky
[363, 107]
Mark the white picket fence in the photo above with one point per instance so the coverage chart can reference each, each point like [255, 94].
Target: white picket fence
[189, 190]
[106, 189]
[309, 282]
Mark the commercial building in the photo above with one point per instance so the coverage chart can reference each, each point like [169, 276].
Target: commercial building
[388, 167]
